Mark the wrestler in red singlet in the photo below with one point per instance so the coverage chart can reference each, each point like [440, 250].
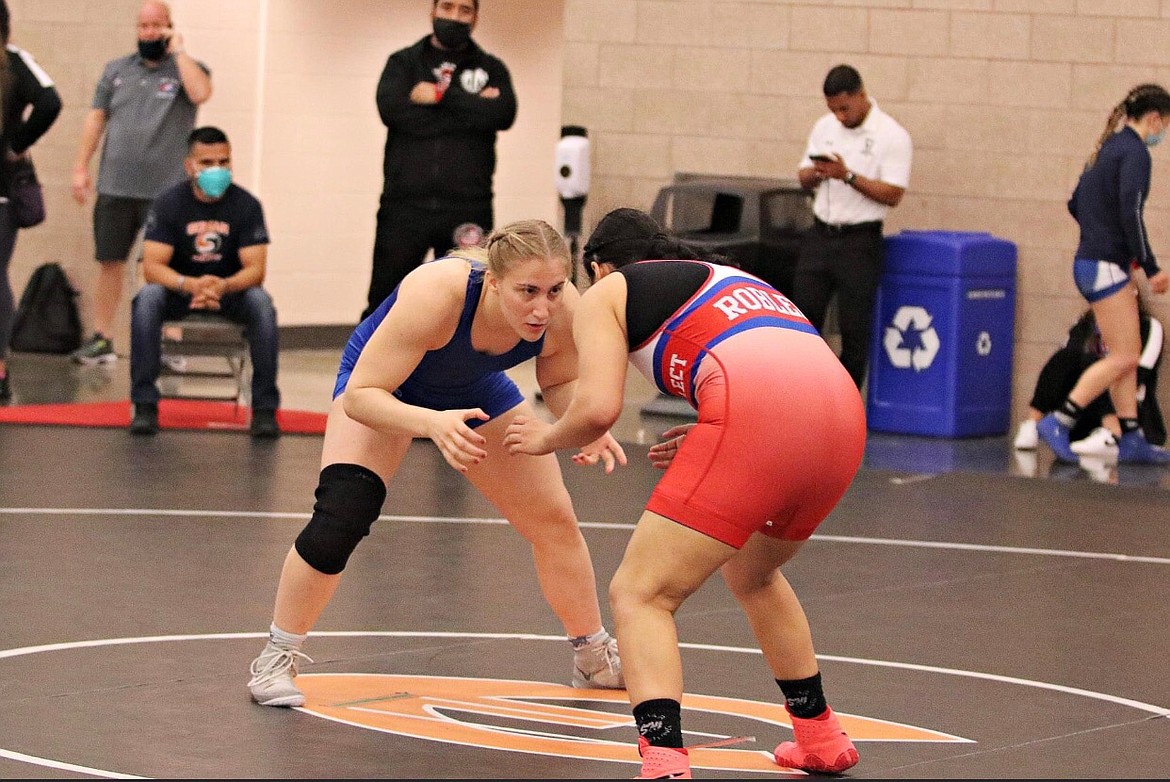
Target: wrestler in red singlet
[779, 437]
[781, 426]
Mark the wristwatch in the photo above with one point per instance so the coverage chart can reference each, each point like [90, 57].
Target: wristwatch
[849, 178]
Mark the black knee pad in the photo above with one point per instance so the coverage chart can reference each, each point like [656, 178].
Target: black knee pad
[349, 501]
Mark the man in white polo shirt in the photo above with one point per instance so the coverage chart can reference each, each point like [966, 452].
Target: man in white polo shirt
[858, 165]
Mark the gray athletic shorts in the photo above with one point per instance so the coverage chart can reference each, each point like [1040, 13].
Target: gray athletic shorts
[116, 223]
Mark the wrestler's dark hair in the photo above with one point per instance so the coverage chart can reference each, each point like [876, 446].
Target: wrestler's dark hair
[842, 79]
[628, 235]
[474, 3]
[208, 134]
[1137, 103]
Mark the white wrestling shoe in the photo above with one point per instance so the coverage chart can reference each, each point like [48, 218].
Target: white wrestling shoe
[1100, 443]
[1026, 437]
[272, 676]
[598, 667]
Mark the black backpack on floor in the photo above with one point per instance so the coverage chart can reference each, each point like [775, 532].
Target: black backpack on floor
[47, 320]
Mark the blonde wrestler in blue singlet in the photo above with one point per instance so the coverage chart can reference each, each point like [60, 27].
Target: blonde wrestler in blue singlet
[429, 363]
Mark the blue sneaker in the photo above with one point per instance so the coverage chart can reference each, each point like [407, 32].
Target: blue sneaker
[1135, 449]
[1056, 434]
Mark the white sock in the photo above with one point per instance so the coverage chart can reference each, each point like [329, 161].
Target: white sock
[585, 641]
[282, 638]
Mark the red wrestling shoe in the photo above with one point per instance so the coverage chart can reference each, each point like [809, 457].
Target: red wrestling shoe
[821, 745]
[663, 762]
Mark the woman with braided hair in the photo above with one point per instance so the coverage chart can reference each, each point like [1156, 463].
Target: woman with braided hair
[429, 362]
[1108, 206]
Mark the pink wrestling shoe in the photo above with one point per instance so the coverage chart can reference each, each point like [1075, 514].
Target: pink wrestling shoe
[820, 746]
[663, 762]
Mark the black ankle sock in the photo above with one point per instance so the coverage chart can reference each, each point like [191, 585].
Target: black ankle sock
[1128, 425]
[1068, 413]
[805, 698]
[660, 722]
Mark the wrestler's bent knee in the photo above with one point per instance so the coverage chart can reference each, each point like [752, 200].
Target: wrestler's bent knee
[349, 501]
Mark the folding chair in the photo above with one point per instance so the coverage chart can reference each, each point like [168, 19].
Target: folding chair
[202, 351]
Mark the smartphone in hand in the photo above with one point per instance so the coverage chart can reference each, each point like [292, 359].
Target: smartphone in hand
[822, 158]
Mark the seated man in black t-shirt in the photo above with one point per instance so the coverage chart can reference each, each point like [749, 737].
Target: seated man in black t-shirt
[205, 248]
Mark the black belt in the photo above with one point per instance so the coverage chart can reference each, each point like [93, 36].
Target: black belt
[848, 228]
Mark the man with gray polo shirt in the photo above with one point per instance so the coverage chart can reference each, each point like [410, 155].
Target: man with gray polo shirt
[145, 105]
[857, 163]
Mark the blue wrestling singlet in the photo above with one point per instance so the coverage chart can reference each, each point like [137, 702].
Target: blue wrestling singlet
[455, 376]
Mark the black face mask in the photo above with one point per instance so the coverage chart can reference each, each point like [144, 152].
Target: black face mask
[153, 50]
[452, 34]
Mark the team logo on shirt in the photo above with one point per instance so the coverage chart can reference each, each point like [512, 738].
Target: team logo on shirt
[168, 87]
[443, 76]
[474, 80]
[209, 236]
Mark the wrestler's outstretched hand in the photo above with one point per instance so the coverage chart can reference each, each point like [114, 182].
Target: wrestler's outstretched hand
[604, 449]
[460, 445]
[527, 435]
[662, 454]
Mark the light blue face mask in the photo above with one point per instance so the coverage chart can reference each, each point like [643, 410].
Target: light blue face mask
[1154, 139]
[214, 181]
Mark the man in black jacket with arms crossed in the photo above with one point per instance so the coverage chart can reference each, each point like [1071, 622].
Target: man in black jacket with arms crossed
[443, 101]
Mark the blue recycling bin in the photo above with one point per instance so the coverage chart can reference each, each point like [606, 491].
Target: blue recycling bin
[943, 328]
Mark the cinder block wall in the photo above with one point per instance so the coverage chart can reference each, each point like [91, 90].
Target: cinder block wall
[294, 84]
[1004, 100]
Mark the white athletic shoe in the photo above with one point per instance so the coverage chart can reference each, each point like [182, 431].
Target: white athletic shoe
[1026, 437]
[272, 676]
[598, 667]
[1100, 442]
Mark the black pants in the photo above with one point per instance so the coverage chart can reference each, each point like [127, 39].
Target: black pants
[252, 307]
[848, 264]
[1057, 378]
[8, 231]
[406, 232]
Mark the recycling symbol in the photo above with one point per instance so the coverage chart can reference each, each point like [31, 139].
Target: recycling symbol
[911, 341]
